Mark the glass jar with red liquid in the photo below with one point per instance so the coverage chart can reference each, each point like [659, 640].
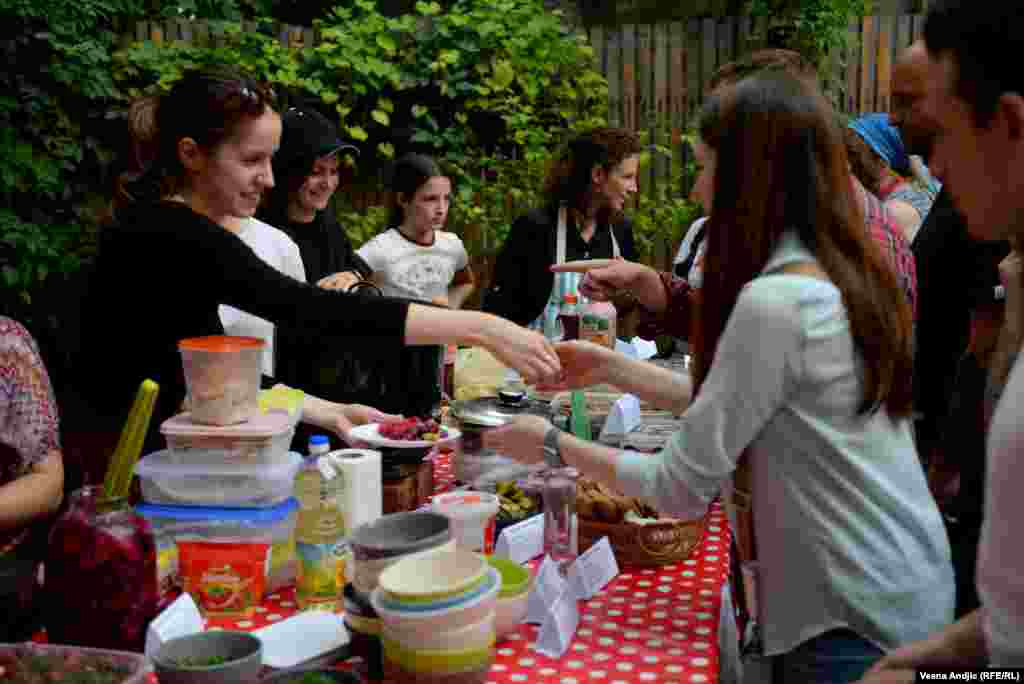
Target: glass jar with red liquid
[100, 574]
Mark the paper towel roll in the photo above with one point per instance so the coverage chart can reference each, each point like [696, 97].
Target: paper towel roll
[362, 496]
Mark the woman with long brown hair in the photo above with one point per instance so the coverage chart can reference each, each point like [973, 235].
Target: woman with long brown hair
[802, 381]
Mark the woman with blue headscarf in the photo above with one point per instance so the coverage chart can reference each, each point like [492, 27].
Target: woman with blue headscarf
[880, 161]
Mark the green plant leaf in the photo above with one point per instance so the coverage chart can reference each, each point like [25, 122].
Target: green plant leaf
[357, 133]
[380, 117]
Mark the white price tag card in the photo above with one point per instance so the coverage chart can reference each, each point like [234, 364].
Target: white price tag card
[593, 570]
[559, 629]
[623, 418]
[179, 619]
[548, 585]
[523, 541]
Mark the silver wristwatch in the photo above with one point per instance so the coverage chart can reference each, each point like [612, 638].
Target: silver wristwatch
[552, 455]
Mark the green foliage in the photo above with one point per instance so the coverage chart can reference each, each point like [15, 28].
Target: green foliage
[56, 88]
[490, 87]
[664, 210]
[818, 29]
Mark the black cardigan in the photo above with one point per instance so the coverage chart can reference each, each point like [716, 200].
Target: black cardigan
[161, 273]
[522, 282]
[323, 244]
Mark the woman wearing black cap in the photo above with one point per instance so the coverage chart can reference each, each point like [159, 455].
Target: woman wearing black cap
[306, 171]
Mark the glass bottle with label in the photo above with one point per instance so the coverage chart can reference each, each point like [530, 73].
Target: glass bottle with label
[569, 316]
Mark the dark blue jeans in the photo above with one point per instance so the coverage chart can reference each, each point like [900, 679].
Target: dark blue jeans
[835, 657]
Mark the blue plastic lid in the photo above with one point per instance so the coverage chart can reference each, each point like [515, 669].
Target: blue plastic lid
[319, 439]
[269, 516]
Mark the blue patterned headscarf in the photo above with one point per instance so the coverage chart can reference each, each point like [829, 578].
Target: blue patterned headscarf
[884, 138]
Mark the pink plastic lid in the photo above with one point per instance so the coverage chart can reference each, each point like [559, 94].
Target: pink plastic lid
[260, 426]
[221, 343]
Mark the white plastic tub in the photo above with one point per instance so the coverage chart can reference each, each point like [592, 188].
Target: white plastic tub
[263, 440]
[236, 485]
[274, 526]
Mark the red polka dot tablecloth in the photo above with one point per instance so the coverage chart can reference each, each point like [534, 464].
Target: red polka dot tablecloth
[648, 625]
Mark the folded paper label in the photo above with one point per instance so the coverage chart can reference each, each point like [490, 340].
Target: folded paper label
[623, 418]
[559, 628]
[637, 348]
[547, 587]
[593, 570]
[523, 541]
[179, 619]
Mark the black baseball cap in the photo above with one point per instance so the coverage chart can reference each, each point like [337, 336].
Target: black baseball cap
[307, 135]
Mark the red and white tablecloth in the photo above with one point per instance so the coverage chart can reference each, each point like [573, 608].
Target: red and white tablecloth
[647, 625]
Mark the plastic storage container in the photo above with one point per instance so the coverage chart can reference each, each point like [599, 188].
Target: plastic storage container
[133, 665]
[473, 516]
[222, 375]
[275, 525]
[226, 484]
[263, 440]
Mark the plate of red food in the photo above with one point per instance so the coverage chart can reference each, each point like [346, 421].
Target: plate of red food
[408, 433]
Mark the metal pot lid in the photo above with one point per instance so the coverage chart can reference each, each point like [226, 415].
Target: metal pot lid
[495, 411]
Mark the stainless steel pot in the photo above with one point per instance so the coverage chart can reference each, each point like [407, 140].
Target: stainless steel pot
[475, 464]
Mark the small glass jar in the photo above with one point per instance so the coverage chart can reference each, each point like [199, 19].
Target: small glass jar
[101, 574]
[561, 531]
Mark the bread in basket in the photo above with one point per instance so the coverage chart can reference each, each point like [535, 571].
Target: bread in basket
[637, 534]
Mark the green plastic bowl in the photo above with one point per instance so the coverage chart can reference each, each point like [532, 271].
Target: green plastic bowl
[515, 579]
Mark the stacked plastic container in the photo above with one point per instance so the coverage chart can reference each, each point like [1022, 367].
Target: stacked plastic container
[227, 475]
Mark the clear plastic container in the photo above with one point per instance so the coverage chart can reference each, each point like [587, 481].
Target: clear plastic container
[222, 375]
[264, 440]
[274, 525]
[235, 485]
[598, 322]
[473, 517]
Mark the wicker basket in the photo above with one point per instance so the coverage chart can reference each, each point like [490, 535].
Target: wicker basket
[658, 543]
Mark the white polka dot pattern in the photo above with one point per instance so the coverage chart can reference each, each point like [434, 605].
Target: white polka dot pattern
[648, 625]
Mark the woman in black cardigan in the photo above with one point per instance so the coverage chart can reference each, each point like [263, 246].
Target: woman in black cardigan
[588, 186]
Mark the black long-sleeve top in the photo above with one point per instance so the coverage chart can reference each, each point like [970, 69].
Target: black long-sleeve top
[323, 244]
[161, 273]
[522, 282]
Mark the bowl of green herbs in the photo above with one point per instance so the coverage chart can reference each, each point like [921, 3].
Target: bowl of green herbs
[216, 657]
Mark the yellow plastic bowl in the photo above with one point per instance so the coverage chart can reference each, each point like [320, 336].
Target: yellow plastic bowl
[435, 577]
[438, 662]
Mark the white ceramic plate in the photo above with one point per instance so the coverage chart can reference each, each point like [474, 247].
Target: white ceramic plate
[370, 434]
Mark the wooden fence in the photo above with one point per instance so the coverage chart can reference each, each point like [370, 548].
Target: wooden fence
[655, 72]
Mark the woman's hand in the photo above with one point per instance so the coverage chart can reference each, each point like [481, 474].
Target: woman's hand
[584, 364]
[521, 440]
[342, 280]
[341, 418]
[604, 283]
[525, 351]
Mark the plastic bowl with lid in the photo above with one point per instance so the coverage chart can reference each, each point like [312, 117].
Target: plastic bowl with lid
[439, 577]
[222, 375]
[513, 597]
[379, 544]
